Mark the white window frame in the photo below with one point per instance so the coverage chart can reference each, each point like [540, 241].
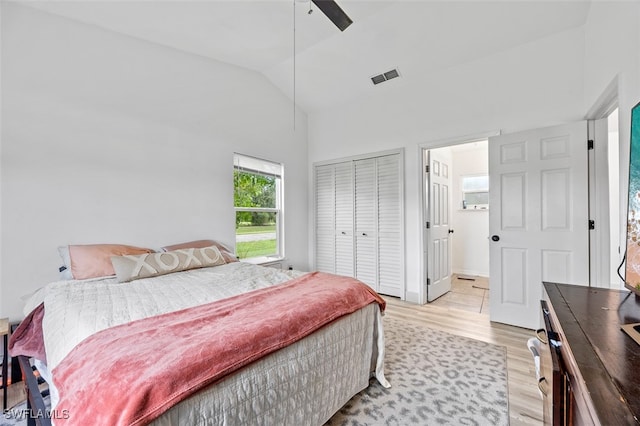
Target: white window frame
[261, 166]
[465, 206]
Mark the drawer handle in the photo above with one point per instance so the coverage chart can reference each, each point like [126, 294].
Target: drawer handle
[540, 333]
[543, 390]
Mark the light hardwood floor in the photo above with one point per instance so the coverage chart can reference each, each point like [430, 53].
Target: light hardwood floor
[525, 405]
[15, 394]
[471, 294]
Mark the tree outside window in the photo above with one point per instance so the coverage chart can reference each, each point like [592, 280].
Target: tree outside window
[258, 205]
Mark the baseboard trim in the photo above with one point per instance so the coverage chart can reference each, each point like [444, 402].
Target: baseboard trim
[413, 297]
[469, 272]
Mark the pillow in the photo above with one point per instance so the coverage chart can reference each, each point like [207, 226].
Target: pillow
[65, 269]
[94, 260]
[129, 268]
[226, 253]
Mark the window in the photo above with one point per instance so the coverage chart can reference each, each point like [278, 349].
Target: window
[475, 192]
[257, 199]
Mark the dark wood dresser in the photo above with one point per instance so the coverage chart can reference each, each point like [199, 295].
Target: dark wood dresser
[591, 367]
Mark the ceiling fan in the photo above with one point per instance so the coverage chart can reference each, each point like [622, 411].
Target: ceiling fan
[334, 13]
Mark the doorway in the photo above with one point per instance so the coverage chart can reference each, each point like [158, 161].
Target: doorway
[606, 243]
[613, 159]
[468, 231]
[562, 194]
[607, 207]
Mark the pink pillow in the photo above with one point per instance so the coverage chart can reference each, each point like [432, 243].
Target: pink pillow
[94, 260]
[226, 253]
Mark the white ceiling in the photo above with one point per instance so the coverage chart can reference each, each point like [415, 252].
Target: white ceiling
[332, 67]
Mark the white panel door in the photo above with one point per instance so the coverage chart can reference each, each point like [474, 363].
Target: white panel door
[438, 245]
[538, 218]
[390, 247]
[366, 213]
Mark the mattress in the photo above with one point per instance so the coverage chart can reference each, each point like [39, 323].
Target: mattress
[304, 383]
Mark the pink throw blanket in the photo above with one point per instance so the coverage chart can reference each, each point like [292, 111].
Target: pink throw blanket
[132, 373]
[27, 339]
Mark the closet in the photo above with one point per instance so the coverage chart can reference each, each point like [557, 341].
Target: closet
[359, 220]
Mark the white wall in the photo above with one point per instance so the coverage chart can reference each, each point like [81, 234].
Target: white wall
[107, 138]
[612, 35]
[530, 86]
[471, 237]
[110, 139]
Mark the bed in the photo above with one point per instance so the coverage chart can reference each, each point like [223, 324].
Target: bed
[127, 352]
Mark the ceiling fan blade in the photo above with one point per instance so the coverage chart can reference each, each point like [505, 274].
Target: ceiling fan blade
[334, 13]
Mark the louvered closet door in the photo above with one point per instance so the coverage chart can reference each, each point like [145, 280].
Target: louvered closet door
[366, 221]
[359, 221]
[390, 250]
[344, 219]
[325, 218]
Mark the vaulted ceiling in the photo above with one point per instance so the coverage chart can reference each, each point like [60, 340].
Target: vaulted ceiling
[332, 67]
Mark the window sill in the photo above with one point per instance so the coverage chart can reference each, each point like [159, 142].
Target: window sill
[263, 260]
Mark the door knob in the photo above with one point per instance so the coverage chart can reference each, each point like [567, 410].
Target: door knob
[495, 238]
[451, 231]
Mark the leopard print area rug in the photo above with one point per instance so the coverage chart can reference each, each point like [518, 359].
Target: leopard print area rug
[436, 379]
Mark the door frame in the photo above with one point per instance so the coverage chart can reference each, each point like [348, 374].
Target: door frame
[600, 237]
[422, 210]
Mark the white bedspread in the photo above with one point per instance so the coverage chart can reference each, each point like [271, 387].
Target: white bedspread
[297, 384]
[75, 310]
[301, 384]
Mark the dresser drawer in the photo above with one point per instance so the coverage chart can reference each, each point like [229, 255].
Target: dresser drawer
[566, 399]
